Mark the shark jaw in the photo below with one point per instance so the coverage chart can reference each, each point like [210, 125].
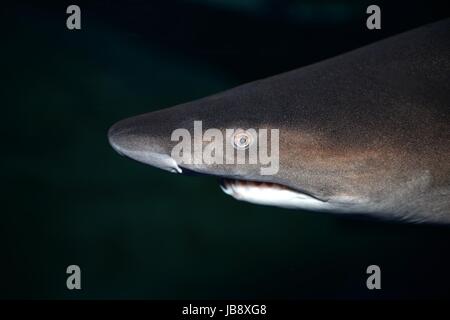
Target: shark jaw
[272, 194]
[257, 192]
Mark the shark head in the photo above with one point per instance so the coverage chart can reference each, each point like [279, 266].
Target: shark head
[351, 134]
[260, 152]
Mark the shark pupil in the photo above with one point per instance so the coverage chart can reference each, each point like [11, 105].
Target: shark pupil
[241, 140]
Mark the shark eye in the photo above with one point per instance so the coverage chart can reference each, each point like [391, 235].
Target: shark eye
[242, 139]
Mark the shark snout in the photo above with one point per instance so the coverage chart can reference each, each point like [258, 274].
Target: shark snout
[134, 138]
[117, 139]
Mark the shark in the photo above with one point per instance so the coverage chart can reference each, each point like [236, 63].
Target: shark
[365, 132]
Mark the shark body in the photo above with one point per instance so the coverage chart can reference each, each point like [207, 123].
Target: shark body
[364, 132]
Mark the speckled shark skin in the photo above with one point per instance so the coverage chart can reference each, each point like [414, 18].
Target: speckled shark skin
[364, 132]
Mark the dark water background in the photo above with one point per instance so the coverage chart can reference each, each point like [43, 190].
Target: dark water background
[137, 232]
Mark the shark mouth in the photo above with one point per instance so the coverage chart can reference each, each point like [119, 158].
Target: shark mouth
[272, 194]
